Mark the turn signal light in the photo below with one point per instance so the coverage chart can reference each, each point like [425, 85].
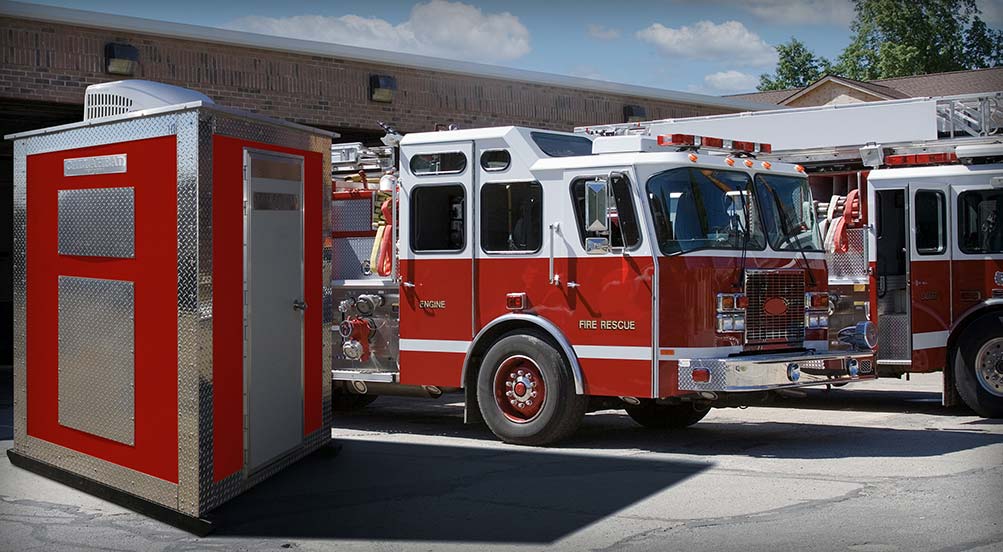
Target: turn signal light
[515, 301]
[817, 300]
[701, 375]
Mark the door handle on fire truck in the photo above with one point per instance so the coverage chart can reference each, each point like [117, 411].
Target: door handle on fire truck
[299, 305]
[555, 279]
[408, 284]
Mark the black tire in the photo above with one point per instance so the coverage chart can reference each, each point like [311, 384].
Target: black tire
[560, 412]
[981, 342]
[667, 416]
[342, 401]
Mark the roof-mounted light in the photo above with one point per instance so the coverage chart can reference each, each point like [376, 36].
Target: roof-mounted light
[691, 140]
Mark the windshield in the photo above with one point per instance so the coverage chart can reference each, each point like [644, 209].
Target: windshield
[700, 208]
[788, 212]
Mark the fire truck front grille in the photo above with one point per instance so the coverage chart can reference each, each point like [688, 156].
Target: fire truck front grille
[775, 313]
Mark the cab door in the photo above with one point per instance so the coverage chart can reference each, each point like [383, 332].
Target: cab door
[436, 244]
[929, 274]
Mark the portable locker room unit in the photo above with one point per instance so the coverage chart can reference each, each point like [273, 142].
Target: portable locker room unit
[170, 277]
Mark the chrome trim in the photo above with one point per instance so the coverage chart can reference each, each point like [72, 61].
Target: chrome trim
[353, 375]
[542, 323]
[768, 372]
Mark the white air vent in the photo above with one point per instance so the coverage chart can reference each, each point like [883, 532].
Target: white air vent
[118, 97]
[625, 144]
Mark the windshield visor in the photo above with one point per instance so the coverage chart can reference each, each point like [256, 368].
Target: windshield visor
[700, 208]
[788, 213]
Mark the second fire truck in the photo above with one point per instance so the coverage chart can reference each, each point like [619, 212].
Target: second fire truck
[548, 273]
[912, 209]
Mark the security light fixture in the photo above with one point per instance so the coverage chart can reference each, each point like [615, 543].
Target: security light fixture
[633, 113]
[381, 88]
[121, 59]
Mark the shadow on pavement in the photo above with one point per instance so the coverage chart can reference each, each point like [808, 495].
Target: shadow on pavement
[611, 429]
[402, 491]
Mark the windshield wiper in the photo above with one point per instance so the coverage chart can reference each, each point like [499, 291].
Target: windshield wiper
[788, 235]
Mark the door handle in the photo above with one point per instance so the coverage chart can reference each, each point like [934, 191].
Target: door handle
[299, 305]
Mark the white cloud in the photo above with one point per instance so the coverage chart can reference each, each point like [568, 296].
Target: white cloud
[710, 41]
[600, 32]
[436, 28]
[731, 81]
[797, 12]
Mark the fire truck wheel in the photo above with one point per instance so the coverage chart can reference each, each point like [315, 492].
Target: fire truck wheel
[526, 391]
[667, 416]
[978, 365]
[347, 402]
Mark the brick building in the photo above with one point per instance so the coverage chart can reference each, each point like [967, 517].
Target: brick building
[48, 56]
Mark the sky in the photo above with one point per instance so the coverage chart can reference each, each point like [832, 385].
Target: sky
[716, 47]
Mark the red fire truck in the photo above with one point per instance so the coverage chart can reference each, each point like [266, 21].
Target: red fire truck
[547, 273]
[913, 219]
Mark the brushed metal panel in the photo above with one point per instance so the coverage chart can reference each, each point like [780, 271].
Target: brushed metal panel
[98, 222]
[96, 357]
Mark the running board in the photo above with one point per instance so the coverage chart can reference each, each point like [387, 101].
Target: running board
[352, 375]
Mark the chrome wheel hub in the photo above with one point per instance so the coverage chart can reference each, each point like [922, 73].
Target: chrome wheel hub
[989, 366]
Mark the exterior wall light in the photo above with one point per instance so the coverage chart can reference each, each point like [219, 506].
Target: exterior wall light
[381, 88]
[633, 113]
[121, 59]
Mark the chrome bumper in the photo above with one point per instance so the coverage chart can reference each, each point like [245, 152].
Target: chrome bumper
[766, 372]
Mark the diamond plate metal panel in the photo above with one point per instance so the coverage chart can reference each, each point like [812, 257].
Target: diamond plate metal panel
[190, 319]
[849, 267]
[98, 222]
[894, 337]
[351, 259]
[96, 357]
[352, 215]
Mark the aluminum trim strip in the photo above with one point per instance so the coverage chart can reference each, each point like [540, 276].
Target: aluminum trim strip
[930, 340]
[612, 352]
[434, 345]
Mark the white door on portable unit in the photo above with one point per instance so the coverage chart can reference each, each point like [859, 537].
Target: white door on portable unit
[273, 305]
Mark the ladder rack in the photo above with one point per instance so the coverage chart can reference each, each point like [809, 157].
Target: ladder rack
[840, 130]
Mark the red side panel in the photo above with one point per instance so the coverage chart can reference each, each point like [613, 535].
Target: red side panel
[228, 270]
[152, 171]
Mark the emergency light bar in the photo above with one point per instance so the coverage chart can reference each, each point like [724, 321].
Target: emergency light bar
[691, 140]
[920, 159]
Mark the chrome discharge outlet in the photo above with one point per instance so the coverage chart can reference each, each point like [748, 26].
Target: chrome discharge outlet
[633, 401]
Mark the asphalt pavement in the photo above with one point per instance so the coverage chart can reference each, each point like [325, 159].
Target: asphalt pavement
[871, 467]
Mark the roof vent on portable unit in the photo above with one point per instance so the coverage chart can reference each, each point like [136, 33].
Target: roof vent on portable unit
[118, 97]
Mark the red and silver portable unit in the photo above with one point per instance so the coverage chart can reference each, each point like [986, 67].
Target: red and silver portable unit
[169, 274]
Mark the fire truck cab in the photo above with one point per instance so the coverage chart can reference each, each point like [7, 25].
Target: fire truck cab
[547, 273]
[911, 204]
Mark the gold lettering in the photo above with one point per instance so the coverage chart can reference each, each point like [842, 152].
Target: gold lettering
[431, 304]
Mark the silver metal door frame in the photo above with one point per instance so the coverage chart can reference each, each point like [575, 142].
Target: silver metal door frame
[250, 152]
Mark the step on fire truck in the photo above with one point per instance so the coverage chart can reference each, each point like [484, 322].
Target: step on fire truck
[913, 219]
[546, 274]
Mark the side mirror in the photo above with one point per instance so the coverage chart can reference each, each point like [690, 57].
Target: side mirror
[597, 205]
[597, 246]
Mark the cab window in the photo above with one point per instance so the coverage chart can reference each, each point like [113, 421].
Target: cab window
[625, 217]
[511, 217]
[980, 221]
[437, 218]
[929, 219]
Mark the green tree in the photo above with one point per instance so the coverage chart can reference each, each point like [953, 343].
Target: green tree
[983, 46]
[797, 66]
[896, 38]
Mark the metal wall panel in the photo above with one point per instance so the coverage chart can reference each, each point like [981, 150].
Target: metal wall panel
[139, 484]
[96, 357]
[98, 222]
